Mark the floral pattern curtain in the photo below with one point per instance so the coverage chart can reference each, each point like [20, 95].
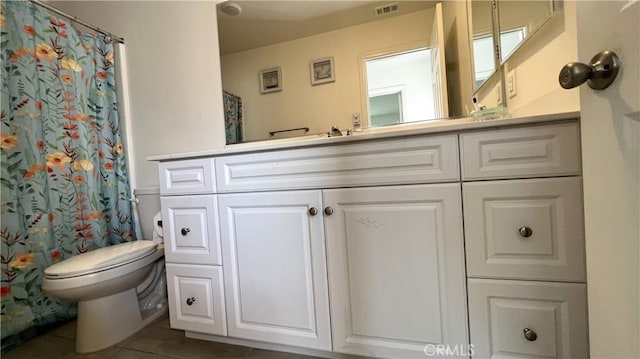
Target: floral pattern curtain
[64, 182]
[232, 117]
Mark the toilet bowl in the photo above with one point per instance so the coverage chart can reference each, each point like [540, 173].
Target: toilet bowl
[110, 284]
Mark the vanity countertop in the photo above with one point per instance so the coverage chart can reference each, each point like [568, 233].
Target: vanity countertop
[419, 128]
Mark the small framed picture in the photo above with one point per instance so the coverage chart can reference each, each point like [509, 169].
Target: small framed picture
[271, 80]
[322, 71]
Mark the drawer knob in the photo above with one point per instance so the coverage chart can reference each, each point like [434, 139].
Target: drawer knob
[313, 211]
[525, 232]
[328, 211]
[191, 300]
[185, 231]
[530, 335]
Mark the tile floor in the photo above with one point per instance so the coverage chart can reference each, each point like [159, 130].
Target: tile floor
[154, 341]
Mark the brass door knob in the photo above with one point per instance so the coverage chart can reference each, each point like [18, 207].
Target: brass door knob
[313, 211]
[328, 211]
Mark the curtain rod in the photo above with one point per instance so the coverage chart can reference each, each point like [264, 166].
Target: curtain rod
[79, 21]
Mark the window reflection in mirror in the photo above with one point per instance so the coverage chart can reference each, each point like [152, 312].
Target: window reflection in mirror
[483, 51]
[483, 46]
[518, 20]
[483, 58]
[399, 88]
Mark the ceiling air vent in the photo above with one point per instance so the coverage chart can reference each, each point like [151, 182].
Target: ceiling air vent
[386, 9]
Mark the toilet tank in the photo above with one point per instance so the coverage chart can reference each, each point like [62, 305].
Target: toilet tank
[148, 205]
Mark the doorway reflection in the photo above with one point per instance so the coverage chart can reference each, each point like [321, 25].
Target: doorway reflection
[399, 88]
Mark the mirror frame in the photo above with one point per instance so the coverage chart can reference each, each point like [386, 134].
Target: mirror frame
[495, 31]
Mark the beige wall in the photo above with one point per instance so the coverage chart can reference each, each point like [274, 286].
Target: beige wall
[321, 106]
[174, 78]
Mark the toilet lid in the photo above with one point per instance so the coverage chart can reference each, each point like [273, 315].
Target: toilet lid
[101, 259]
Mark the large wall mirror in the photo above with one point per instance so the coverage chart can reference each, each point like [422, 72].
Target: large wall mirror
[507, 23]
[336, 63]
[294, 68]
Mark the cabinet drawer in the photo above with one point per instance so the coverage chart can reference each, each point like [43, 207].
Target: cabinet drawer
[196, 298]
[391, 161]
[501, 312]
[534, 151]
[191, 233]
[187, 176]
[525, 229]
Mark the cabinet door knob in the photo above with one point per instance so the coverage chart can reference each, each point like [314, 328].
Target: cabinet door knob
[185, 231]
[525, 232]
[328, 211]
[313, 211]
[530, 335]
[191, 300]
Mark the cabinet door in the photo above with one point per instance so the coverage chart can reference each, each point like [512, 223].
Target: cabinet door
[396, 270]
[196, 298]
[191, 229]
[528, 319]
[275, 268]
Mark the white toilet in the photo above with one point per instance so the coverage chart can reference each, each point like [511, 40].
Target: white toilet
[120, 288]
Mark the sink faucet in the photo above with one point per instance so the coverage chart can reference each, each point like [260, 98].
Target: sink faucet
[335, 131]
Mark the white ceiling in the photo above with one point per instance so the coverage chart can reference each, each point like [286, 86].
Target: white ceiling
[293, 10]
[266, 22]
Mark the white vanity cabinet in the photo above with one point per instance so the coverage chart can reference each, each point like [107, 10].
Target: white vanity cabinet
[395, 258]
[462, 243]
[192, 246]
[524, 241]
[391, 256]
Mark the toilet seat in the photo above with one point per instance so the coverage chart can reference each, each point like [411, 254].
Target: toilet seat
[101, 259]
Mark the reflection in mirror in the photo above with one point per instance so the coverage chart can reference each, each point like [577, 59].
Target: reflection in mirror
[519, 20]
[480, 13]
[386, 109]
[399, 88]
[291, 34]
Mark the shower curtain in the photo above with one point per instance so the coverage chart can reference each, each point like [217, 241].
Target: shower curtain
[232, 117]
[64, 182]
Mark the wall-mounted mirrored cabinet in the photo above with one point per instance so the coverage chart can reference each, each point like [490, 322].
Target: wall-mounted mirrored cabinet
[378, 62]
